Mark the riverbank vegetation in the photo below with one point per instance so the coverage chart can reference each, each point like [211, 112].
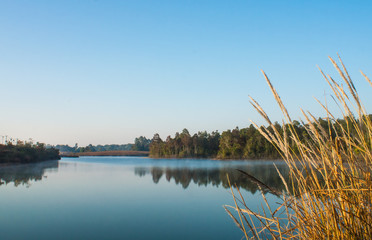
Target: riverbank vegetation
[26, 153]
[245, 143]
[331, 170]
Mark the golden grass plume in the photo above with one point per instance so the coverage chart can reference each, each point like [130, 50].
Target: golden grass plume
[329, 194]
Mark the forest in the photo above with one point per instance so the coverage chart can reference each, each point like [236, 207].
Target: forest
[245, 143]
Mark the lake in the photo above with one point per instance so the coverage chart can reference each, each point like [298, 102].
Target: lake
[127, 198]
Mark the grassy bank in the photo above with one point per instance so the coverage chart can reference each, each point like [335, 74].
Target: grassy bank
[332, 174]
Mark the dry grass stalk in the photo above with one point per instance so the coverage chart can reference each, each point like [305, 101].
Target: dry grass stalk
[329, 194]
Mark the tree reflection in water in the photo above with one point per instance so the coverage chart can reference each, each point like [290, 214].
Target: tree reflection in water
[25, 173]
[218, 176]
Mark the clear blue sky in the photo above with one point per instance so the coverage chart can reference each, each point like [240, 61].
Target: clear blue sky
[105, 72]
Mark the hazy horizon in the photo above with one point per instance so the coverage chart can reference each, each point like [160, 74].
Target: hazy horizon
[106, 72]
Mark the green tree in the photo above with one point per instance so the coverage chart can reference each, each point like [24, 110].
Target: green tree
[141, 144]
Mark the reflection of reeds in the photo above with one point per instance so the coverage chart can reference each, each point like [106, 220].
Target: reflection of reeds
[330, 173]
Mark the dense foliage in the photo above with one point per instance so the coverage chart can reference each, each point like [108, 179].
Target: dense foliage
[27, 153]
[245, 143]
[184, 145]
[141, 144]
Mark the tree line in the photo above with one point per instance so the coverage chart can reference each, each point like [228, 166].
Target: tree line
[201, 144]
[92, 148]
[245, 143]
[140, 144]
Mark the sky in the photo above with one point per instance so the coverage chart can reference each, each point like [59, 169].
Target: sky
[106, 72]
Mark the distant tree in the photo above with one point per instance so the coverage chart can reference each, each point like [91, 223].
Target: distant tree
[141, 144]
[156, 146]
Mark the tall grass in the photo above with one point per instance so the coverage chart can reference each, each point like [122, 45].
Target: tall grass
[329, 194]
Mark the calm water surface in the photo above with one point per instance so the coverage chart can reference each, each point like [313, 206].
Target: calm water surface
[126, 198]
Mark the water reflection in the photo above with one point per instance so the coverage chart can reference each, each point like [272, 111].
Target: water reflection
[184, 176]
[25, 173]
[183, 173]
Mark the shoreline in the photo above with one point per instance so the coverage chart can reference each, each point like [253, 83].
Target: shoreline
[106, 153]
[222, 159]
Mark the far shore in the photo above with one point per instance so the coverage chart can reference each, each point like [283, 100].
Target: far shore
[146, 154]
[106, 153]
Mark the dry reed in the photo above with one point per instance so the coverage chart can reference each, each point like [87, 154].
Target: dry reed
[329, 194]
